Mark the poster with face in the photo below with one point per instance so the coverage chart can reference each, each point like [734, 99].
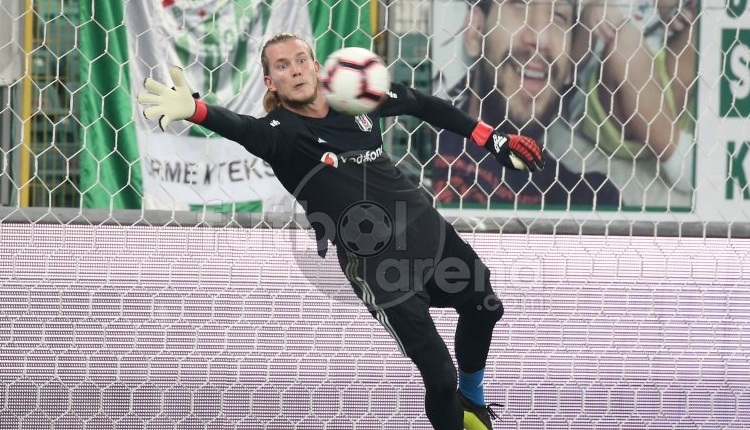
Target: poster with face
[613, 140]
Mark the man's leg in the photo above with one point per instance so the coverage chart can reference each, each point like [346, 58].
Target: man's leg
[412, 327]
[479, 310]
[435, 364]
[405, 314]
[476, 322]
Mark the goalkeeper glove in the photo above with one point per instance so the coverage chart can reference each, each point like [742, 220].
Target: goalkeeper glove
[513, 151]
[170, 104]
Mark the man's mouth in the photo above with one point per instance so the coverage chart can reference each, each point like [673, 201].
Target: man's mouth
[531, 73]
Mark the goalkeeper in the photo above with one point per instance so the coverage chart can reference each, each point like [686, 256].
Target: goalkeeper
[331, 163]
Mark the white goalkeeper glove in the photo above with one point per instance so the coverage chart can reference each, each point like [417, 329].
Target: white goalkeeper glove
[168, 104]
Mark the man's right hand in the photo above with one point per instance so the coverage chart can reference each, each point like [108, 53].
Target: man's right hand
[167, 104]
[513, 151]
[517, 152]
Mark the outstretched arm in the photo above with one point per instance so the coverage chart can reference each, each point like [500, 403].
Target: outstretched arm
[511, 150]
[178, 103]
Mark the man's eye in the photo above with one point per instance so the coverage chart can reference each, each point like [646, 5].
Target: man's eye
[563, 16]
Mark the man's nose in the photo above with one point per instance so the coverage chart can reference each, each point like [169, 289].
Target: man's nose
[538, 30]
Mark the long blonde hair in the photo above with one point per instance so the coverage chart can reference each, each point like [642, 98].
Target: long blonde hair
[271, 100]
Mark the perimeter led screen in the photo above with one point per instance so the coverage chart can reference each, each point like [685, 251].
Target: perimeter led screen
[199, 328]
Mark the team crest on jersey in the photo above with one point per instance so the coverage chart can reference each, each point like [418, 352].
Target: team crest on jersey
[364, 122]
[331, 159]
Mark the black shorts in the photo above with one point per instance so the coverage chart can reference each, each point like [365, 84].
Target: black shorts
[399, 288]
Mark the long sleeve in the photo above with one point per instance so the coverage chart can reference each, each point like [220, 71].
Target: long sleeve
[404, 100]
[255, 134]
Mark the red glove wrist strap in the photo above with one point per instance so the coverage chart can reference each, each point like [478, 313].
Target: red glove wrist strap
[201, 111]
[481, 133]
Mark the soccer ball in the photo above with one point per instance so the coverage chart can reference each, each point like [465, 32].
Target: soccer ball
[365, 229]
[354, 80]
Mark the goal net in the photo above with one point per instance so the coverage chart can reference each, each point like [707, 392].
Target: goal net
[155, 279]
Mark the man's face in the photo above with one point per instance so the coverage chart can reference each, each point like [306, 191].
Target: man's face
[293, 73]
[527, 57]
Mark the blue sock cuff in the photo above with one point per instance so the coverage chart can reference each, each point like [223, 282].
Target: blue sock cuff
[471, 386]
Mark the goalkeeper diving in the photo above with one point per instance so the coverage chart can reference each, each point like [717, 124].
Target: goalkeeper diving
[332, 163]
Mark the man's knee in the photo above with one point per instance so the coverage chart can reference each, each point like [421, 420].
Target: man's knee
[492, 308]
[485, 309]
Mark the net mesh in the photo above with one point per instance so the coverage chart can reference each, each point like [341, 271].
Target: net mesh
[135, 296]
[611, 93]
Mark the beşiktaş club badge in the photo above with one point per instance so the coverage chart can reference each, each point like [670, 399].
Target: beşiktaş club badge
[364, 122]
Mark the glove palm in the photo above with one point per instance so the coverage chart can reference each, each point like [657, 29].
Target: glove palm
[167, 104]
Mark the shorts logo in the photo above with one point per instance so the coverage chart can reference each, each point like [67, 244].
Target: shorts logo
[364, 122]
[331, 159]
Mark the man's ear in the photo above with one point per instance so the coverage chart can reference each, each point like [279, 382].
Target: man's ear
[473, 36]
[269, 83]
[317, 71]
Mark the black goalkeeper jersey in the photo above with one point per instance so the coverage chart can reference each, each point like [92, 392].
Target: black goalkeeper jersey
[329, 164]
